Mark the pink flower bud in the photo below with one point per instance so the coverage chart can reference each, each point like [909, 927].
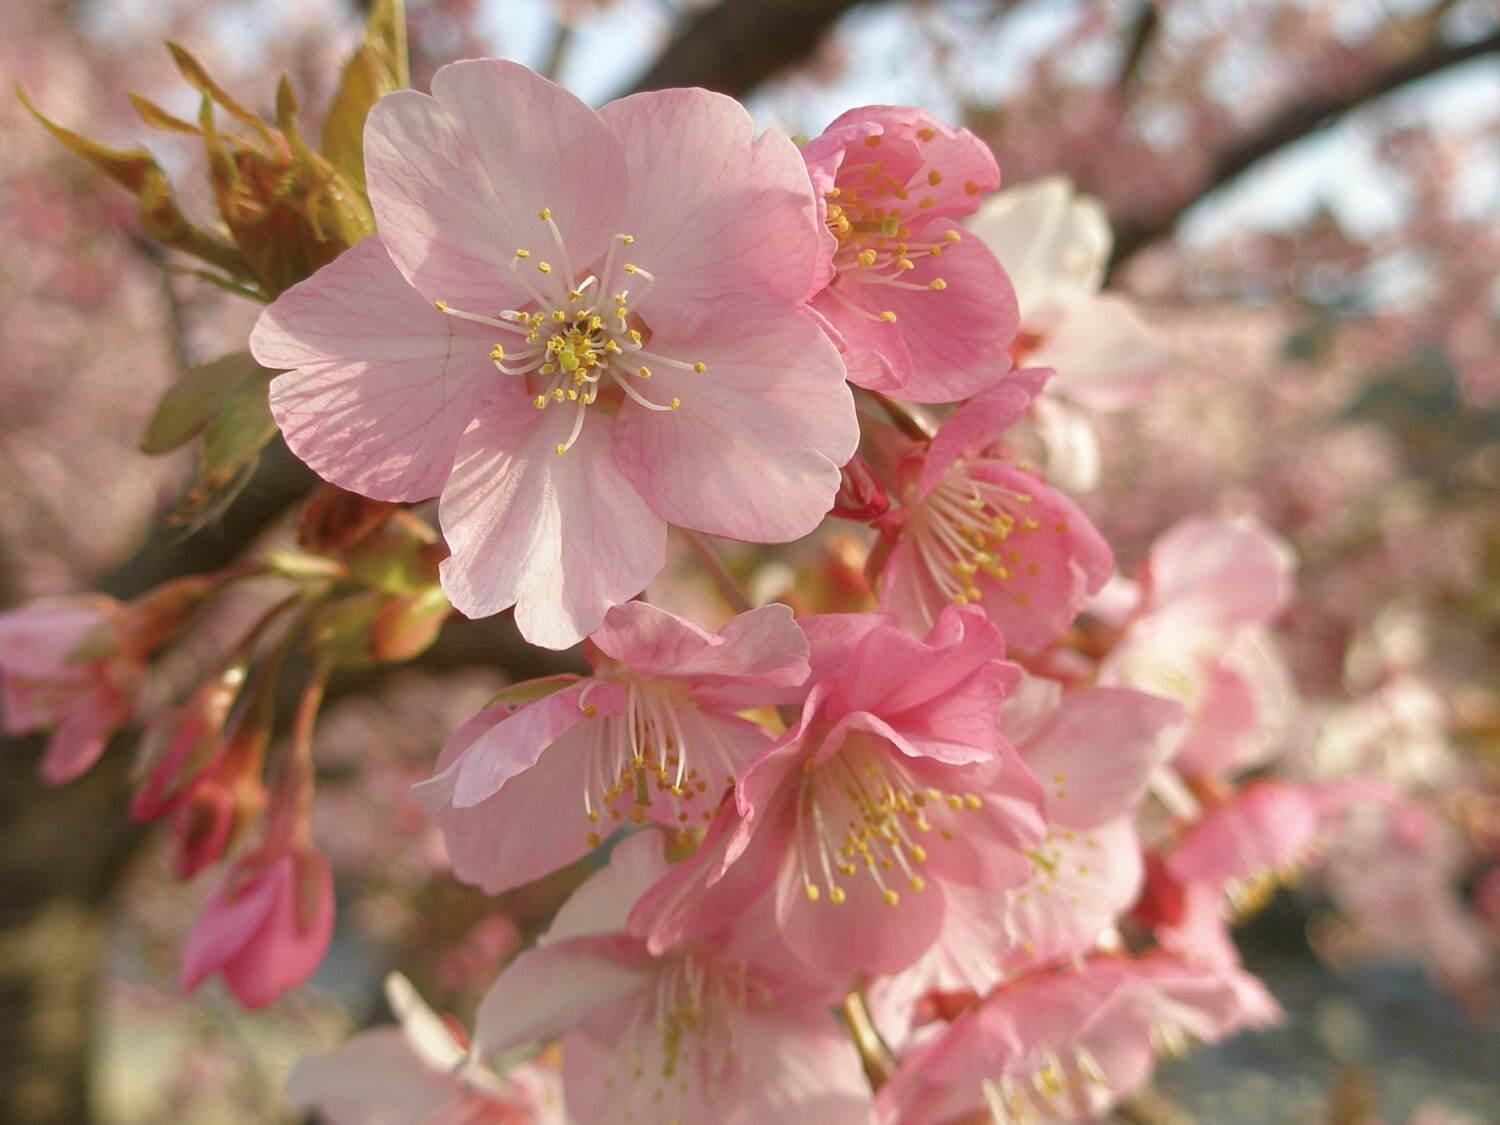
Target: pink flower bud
[266, 928]
[181, 744]
[860, 496]
[67, 668]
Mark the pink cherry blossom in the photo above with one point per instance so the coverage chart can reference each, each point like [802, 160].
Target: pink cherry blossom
[266, 927]
[575, 326]
[1207, 591]
[712, 1032]
[1093, 752]
[977, 526]
[1066, 1046]
[894, 783]
[1228, 864]
[1055, 246]
[420, 1073]
[70, 666]
[921, 312]
[652, 734]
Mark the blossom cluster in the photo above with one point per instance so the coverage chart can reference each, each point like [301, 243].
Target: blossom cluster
[974, 849]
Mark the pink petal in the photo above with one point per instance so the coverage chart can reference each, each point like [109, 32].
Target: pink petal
[1230, 572]
[957, 337]
[730, 668]
[1098, 750]
[534, 825]
[874, 351]
[755, 449]
[563, 537]
[1106, 358]
[1082, 883]
[458, 181]
[550, 988]
[38, 638]
[76, 744]
[376, 1076]
[544, 148]
[861, 934]
[517, 741]
[285, 951]
[380, 384]
[979, 422]
[717, 214]
[228, 922]
[603, 904]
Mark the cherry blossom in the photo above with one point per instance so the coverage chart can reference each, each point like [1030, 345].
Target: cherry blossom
[421, 1071]
[978, 526]
[266, 927]
[575, 326]
[894, 783]
[1066, 1046]
[652, 734]
[703, 1032]
[69, 666]
[1055, 246]
[920, 311]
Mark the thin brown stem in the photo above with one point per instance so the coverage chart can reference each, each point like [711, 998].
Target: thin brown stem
[708, 558]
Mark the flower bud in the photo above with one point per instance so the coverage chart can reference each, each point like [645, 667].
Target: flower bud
[861, 496]
[267, 926]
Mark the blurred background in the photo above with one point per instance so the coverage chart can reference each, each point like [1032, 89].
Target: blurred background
[1306, 204]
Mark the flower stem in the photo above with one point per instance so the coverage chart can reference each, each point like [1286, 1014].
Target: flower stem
[728, 588]
[873, 1052]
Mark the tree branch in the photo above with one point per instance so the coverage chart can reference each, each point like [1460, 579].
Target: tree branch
[736, 45]
[1293, 123]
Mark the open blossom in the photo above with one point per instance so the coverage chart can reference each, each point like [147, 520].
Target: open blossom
[651, 735]
[1055, 246]
[976, 526]
[575, 326]
[1198, 634]
[420, 1073]
[1066, 1046]
[1093, 752]
[70, 666]
[920, 311]
[722, 1031]
[1228, 864]
[894, 783]
[266, 927]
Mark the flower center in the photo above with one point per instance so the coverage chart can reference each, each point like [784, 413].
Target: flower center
[861, 810]
[579, 334]
[966, 527]
[683, 1034]
[1058, 1084]
[644, 756]
[868, 212]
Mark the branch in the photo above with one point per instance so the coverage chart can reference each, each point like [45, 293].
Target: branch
[736, 45]
[1294, 122]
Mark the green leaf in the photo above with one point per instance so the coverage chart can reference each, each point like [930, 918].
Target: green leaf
[194, 400]
[231, 447]
[377, 68]
[137, 171]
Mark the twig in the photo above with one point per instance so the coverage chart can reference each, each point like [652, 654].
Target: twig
[728, 588]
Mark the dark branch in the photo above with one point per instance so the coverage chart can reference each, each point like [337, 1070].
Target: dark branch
[736, 45]
[1292, 124]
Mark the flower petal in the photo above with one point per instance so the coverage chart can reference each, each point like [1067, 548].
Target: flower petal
[561, 537]
[380, 384]
[755, 449]
[717, 213]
